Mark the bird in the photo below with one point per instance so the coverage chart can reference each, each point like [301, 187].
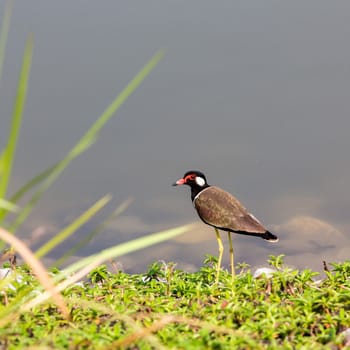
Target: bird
[221, 210]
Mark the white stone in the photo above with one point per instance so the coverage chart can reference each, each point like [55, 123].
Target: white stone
[264, 271]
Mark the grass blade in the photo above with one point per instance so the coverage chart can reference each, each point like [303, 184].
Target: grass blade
[4, 33]
[32, 183]
[70, 229]
[38, 268]
[120, 209]
[8, 154]
[8, 206]
[128, 247]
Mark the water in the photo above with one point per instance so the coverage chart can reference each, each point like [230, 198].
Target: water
[256, 95]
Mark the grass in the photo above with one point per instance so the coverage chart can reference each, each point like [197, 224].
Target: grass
[166, 308]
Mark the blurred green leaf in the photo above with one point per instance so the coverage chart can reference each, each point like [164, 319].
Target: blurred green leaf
[70, 229]
[127, 247]
[88, 237]
[4, 33]
[4, 204]
[8, 154]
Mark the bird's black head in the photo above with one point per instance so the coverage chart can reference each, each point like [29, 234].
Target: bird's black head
[195, 179]
[192, 178]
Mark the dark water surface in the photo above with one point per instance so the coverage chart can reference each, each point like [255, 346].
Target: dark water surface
[255, 94]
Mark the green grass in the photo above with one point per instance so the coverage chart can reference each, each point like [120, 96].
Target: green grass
[166, 308]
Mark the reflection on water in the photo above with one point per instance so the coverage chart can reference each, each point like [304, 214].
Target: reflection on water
[253, 94]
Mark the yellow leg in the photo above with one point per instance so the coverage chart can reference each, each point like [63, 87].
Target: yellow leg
[232, 260]
[221, 251]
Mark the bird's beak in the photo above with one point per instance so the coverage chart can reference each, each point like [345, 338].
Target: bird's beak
[179, 182]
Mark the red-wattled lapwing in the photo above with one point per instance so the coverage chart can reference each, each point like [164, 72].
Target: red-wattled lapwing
[223, 211]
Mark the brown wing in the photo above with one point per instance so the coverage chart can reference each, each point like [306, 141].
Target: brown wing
[222, 210]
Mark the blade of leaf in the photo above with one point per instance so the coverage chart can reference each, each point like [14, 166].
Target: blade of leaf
[128, 247]
[32, 183]
[37, 266]
[70, 229]
[2, 162]
[4, 33]
[7, 205]
[121, 208]
[10, 149]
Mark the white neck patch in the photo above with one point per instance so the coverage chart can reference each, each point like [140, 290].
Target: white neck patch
[200, 181]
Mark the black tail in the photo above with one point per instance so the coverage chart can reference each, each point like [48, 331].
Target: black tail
[268, 236]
